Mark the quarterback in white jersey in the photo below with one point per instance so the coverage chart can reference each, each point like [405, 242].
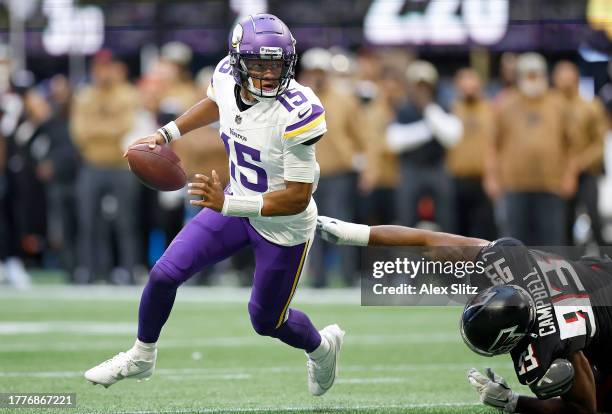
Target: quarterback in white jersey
[269, 124]
[268, 144]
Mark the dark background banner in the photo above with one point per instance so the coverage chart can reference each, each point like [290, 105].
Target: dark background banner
[440, 26]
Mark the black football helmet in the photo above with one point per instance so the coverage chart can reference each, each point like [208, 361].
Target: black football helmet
[496, 319]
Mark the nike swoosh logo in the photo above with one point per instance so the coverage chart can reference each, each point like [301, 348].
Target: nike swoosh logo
[303, 113]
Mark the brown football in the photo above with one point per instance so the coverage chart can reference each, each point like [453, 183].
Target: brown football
[159, 168]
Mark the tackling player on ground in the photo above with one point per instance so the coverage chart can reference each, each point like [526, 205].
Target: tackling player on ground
[554, 316]
[269, 124]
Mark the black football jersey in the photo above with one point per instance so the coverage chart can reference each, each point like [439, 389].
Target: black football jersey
[572, 301]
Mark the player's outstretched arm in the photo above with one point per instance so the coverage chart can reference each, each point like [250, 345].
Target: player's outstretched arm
[580, 399]
[199, 115]
[408, 236]
[340, 232]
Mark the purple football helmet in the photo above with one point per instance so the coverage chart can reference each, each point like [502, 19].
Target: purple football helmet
[262, 44]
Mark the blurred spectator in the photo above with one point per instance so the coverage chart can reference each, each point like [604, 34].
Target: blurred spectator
[379, 179]
[530, 161]
[56, 167]
[342, 68]
[606, 97]
[4, 223]
[587, 120]
[507, 77]
[102, 114]
[180, 90]
[336, 152]
[145, 122]
[465, 160]
[179, 93]
[420, 135]
[27, 191]
[60, 96]
[12, 114]
[205, 151]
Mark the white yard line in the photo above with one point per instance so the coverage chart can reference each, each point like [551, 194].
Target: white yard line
[246, 372]
[79, 344]
[382, 380]
[185, 294]
[210, 377]
[80, 327]
[318, 409]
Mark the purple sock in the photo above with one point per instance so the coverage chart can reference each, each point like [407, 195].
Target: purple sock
[155, 305]
[298, 332]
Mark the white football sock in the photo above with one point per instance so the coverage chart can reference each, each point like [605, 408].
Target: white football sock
[143, 350]
[321, 351]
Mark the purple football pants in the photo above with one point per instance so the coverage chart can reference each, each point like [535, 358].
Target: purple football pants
[211, 237]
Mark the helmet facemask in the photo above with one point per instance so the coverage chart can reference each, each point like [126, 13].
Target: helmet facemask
[264, 76]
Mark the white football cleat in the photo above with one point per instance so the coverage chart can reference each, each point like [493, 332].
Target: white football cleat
[322, 372]
[123, 365]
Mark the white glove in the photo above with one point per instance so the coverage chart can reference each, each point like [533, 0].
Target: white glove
[493, 390]
[340, 232]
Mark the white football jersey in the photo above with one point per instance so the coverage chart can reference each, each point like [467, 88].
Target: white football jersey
[256, 140]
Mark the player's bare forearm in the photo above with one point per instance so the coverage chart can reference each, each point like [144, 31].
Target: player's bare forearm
[201, 114]
[408, 236]
[530, 405]
[580, 399]
[442, 246]
[293, 199]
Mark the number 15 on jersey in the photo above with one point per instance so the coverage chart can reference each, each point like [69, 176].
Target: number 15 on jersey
[248, 159]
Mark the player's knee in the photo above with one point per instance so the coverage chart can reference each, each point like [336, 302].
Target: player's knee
[160, 278]
[263, 322]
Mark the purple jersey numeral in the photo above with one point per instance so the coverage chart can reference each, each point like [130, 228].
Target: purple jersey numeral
[294, 93]
[296, 98]
[285, 103]
[225, 139]
[261, 185]
[225, 67]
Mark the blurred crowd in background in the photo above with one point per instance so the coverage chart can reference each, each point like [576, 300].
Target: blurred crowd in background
[516, 153]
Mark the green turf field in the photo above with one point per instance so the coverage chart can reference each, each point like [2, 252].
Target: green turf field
[395, 360]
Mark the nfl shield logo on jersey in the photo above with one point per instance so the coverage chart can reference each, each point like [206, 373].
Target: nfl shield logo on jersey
[238, 119]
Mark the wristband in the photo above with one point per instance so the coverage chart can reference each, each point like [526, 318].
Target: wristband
[242, 206]
[170, 132]
[356, 234]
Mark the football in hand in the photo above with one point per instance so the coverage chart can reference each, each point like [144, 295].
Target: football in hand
[159, 168]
